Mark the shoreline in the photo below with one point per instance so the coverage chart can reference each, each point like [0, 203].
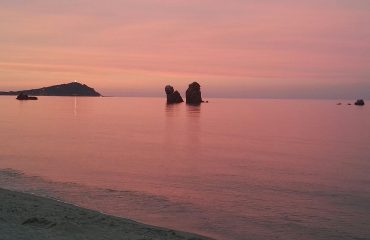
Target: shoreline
[27, 216]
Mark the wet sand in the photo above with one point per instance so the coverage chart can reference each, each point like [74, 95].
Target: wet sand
[25, 216]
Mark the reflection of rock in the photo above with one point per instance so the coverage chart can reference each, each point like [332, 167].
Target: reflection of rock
[360, 102]
[193, 94]
[23, 96]
[172, 95]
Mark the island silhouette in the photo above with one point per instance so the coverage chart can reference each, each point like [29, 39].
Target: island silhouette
[68, 89]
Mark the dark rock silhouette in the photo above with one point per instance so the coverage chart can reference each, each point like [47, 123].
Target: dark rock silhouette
[360, 102]
[23, 96]
[193, 94]
[172, 95]
[39, 222]
[69, 89]
[169, 89]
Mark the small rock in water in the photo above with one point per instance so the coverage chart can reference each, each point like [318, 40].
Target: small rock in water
[360, 102]
[23, 96]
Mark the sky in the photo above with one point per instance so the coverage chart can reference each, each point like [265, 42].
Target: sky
[233, 48]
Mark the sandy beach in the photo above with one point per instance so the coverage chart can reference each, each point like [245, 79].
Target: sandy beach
[25, 216]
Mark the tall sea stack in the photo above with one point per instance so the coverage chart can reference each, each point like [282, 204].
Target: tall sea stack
[172, 95]
[193, 94]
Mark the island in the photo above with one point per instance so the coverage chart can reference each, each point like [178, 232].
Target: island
[68, 89]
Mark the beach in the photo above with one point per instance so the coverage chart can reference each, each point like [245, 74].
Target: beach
[26, 216]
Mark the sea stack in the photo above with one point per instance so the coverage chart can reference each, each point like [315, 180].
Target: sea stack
[172, 95]
[360, 102]
[193, 94]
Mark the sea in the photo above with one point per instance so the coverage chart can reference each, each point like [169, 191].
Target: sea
[230, 169]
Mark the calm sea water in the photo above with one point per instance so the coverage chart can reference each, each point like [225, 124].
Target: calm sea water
[229, 169]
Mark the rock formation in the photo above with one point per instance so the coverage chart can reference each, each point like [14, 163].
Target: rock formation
[360, 102]
[193, 94]
[23, 96]
[172, 95]
[69, 89]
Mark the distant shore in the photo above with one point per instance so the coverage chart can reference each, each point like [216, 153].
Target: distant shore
[26, 216]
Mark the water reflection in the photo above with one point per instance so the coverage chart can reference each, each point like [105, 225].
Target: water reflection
[193, 111]
[183, 127]
[75, 107]
[193, 129]
[172, 123]
[172, 110]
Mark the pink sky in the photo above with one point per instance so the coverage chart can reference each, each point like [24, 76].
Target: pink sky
[239, 48]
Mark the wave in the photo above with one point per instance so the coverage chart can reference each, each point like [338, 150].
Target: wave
[120, 202]
[9, 172]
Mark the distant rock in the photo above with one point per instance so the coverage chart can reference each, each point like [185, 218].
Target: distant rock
[172, 95]
[193, 94]
[23, 96]
[360, 102]
[69, 89]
